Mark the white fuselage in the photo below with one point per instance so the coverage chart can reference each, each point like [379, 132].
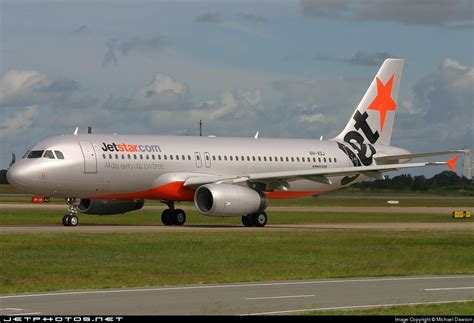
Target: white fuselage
[154, 167]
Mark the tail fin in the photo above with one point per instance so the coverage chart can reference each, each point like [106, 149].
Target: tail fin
[372, 121]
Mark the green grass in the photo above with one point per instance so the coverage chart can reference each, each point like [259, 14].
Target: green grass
[461, 308]
[153, 217]
[60, 261]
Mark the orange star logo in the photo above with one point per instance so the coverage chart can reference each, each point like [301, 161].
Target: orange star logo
[383, 102]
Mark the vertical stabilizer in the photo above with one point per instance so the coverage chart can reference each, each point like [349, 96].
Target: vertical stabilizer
[373, 118]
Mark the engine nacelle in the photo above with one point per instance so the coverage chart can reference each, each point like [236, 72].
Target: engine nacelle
[109, 207]
[228, 200]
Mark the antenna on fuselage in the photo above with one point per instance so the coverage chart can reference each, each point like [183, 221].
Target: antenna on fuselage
[200, 128]
[89, 129]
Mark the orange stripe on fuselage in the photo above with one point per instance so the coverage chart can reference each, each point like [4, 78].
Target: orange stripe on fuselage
[175, 191]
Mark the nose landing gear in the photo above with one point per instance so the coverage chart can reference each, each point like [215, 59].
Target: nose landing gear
[71, 220]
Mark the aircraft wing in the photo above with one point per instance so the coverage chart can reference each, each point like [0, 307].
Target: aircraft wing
[397, 158]
[318, 175]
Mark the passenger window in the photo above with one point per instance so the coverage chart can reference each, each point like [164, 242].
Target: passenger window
[49, 154]
[270, 158]
[330, 160]
[110, 156]
[242, 158]
[177, 157]
[153, 157]
[213, 157]
[314, 159]
[264, 158]
[248, 158]
[207, 157]
[220, 158]
[116, 156]
[225, 157]
[302, 159]
[123, 156]
[287, 159]
[103, 156]
[147, 157]
[319, 159]
[171, 157]
[184, 158]
[292, 159]
[335, 160]
[59, 155]
[259, 159]
[128, 156]
[230, 157]
[236, 158]
[35, 154]
[324, 159]
[253, 157]
[165, 157]
[189, 157]
[281, 159]
[134, 156]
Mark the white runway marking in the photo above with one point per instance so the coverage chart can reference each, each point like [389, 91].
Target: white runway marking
[24, 314]
[273, 297]
[11, 309]
[231, 286]
[352, 307]
[448, 288]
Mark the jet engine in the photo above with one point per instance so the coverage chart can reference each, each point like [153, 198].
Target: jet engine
[228, 200]
[109, 207]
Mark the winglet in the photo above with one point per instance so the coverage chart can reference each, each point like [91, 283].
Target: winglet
[452, 163]
[256, 135]
[76, 131]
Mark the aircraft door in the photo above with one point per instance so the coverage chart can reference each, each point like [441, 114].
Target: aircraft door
[207, 160]
[198, 159]
[90, 158]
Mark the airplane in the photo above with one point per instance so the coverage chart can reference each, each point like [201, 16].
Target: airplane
[104, 174]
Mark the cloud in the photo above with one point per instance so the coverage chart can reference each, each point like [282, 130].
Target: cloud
[409, 12]
[360, 58]
[81, 29]
[12, 126]
[23, 88]
[440, 110]
[164, 93]
[128, 46]
[209, 17]
[253, 18]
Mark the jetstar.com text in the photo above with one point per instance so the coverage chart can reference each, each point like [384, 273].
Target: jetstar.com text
[123, 147]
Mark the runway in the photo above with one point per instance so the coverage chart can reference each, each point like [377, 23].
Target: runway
[263, 298]
[96, 228]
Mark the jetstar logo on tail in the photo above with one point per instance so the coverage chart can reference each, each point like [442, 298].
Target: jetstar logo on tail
[123, 147]
[383, 102]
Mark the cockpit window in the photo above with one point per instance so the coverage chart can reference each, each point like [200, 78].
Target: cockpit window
[35, 154]
[26, 154]
[59, 154]
[48, 154]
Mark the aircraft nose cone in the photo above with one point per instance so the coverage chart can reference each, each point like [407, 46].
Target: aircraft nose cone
[16, 177]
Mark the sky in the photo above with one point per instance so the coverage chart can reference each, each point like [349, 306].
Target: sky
[288, 69]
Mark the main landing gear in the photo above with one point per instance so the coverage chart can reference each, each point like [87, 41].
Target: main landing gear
[71, 220]
[173, 216]
[258, 219]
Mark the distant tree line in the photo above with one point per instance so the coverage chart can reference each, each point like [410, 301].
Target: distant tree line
[3, 176]
[444, 180]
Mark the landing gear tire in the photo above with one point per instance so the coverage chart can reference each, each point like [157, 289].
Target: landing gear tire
[65, 218]
[72, 220]
[178, 217]
[259, 219]
[166, 218]
[247, 221]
